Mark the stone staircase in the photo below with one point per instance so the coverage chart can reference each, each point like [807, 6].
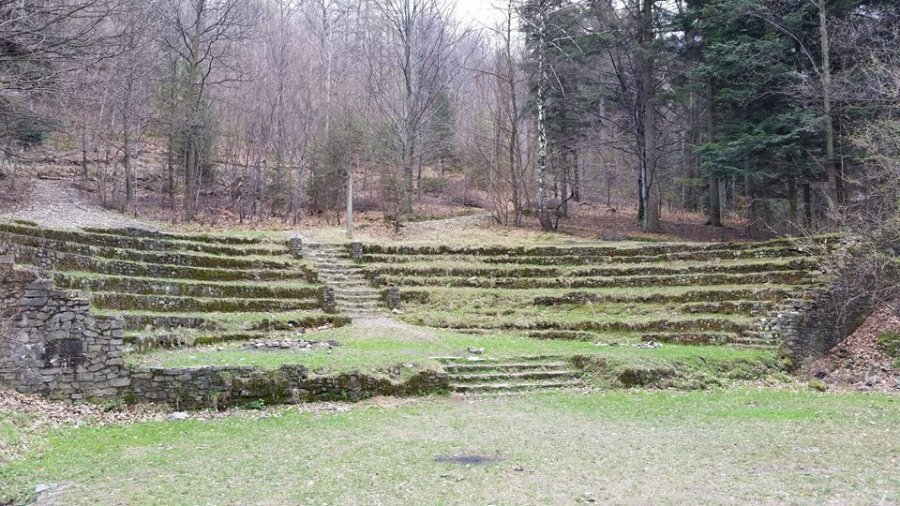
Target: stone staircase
[488, 376]
[352, 293]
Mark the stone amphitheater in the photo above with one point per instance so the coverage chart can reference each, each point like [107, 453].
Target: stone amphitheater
[212, 320]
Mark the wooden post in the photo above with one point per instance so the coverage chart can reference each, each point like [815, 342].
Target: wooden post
[349, 205]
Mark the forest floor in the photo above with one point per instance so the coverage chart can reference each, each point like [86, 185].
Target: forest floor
[50, 190]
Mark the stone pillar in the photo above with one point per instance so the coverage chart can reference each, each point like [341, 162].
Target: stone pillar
[356, 251]
[392, 297]
[297, 247]
[329, 304]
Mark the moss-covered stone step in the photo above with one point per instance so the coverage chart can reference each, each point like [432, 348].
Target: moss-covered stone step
[588, 259]
[182, 288]
[508, 387]
[276, 323]
[599, 250]
[70, 262]
[661, 325]
[112, 240]
[509, 377]
[143, 321]
[747, 307]
[264, 322]
[165, 303]
[153, 257]
[537, 272]
[564, 335]
[144, 341]
[496, 376]
[704, 338]
[759, 278]
[708, 295]
[487, 367]
[208, 238]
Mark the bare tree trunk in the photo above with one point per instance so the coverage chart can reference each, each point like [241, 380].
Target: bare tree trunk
[807, 206]
[715, 205]
[835, 180]
[84, 147]
[126, 148]
[170, 167]
[650, 186]
[792, 203]
[564, 184]
[514, 155]
[756, 224]
[576, 176]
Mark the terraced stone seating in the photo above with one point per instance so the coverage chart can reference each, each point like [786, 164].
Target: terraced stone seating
[621, 293]
[176, 289]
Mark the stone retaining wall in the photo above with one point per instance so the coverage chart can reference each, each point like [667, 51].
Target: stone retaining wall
[813, 326]
[51, 345]
[216, 387]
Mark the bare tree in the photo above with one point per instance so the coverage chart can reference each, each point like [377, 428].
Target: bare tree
[419, 36]
[202, 35]
[506, 165]
[42, 42]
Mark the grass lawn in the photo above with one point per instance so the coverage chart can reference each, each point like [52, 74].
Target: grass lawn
[371, 349]
[729, 446]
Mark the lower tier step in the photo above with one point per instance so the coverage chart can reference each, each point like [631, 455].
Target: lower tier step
[488, 388]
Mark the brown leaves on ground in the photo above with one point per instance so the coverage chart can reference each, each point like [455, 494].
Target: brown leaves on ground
[858, 363]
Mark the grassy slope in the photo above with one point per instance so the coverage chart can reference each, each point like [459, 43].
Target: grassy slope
[621, 447]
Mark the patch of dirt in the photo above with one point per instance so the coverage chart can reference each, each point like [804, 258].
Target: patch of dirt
[858, 363]
[469, 460]
[388, 323]
[58, 203]
[432, 227]
[597, 221]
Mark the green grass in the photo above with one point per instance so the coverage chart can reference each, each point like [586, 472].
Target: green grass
[366, 349]
[474, 261]
[572, 317]
[737, 446]
[889, 343]
[12, 434]
[491, 235]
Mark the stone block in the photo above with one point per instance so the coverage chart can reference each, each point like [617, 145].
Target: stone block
[123, 381]
[34, 302]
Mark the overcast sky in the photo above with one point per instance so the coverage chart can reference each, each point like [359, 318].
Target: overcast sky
[479, 11]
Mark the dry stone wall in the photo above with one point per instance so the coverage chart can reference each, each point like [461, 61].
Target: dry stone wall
[216, 387]
[813, 326]
[51, 345]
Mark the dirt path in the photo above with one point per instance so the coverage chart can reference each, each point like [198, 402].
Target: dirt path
[437, 227]
[58, 204]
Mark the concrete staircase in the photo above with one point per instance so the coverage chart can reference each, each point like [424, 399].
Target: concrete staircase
[352, 292]
[488, 376]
